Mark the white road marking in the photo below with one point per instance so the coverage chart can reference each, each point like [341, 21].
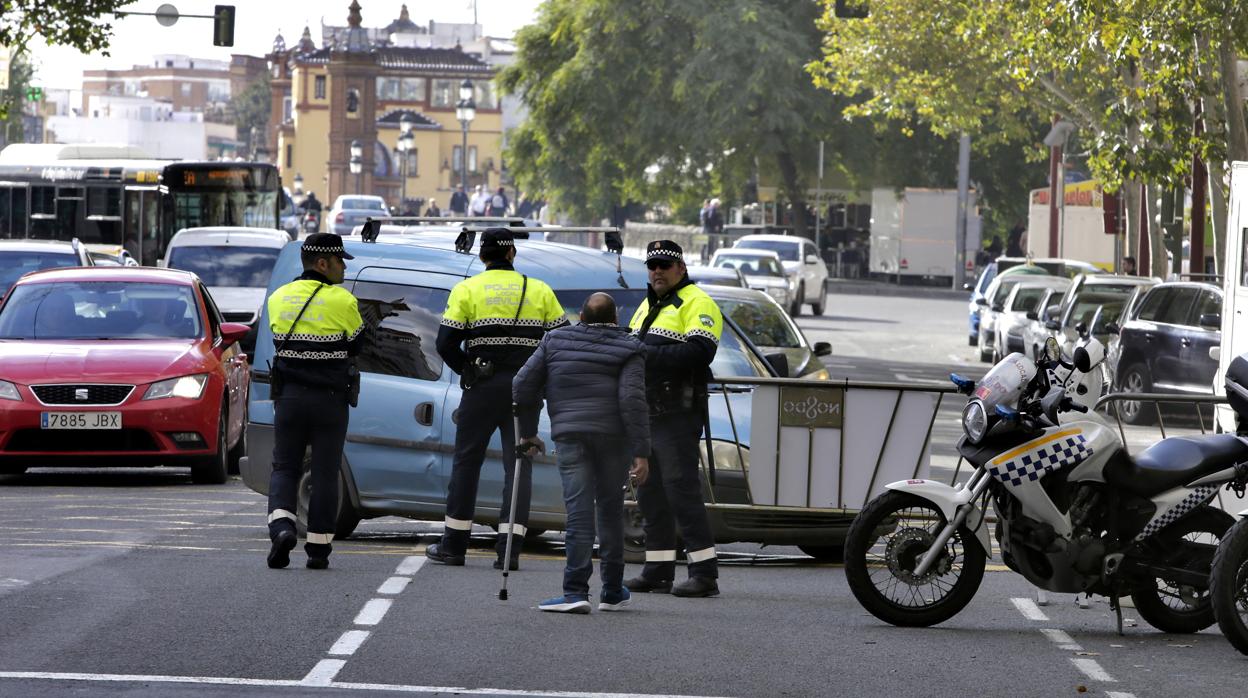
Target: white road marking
[349, 643]
[373, 612]
[904, 378]
[410, 565]
[1092, 669]
[1029, 609]
[1118, 694]
[394, 585]
[324, 672]
[1061, 639]
[284, 683]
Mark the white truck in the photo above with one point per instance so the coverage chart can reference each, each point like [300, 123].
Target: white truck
[1234, 289]
[1084, 213]
[912, 233]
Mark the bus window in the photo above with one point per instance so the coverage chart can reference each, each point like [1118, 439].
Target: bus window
[17, 223]
[6, 226]
[43, 213]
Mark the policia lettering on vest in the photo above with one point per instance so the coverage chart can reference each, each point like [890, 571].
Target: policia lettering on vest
[680, 326]
[316, 328]
[492, 324]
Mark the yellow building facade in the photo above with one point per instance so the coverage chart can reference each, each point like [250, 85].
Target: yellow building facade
[359, 89]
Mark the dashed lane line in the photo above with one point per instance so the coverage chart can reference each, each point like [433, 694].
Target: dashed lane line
[1092, 669]
[373, 611]
[1029, 609]
[349, 643]
[1062, 639]
[393, 585]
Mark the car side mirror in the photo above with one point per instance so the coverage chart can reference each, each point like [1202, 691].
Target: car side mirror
[1082, 360]
[981, 301]
[1031, 315]
[779, 364]
[823, 348]
[1052, 325]
[232, 333]
[1211, 321]
[1081, 328]
[812, 259]
[1052, 312]
[998, 307]
[1112, 328]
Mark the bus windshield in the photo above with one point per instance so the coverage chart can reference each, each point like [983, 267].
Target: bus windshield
[202, 209]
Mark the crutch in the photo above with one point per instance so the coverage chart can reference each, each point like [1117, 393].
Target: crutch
[515, 495]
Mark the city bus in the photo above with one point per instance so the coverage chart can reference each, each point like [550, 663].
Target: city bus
[115, 195]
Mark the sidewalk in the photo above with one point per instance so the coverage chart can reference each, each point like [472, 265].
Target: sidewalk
[867, 287]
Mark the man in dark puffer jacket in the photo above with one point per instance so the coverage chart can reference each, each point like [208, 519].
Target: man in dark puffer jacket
[593, 378]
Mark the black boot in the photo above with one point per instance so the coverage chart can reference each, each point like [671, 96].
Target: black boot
[648, 586]
[437, 554]
[696, 587]
[279, 554]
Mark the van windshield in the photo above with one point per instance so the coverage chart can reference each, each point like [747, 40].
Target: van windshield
[227, 265]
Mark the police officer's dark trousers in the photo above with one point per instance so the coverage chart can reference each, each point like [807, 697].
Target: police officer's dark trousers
[303, 417]
[672, 497]
[484, 408]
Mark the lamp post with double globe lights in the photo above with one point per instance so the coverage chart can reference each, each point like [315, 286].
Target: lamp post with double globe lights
[357, 162]
[406, 124]
[465, 111]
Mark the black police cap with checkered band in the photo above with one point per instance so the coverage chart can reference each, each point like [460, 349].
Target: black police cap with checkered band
[326, 242]
[497, 237]
[664, 249]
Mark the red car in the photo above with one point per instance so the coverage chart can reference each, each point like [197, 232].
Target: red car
[120, 366]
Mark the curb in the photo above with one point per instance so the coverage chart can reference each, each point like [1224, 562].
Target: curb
[878, 288]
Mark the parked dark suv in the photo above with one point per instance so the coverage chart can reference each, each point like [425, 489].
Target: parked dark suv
[1164, 347]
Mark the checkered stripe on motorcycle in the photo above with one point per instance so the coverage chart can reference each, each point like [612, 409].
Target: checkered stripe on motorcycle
[1199, 496]
[1032, 466]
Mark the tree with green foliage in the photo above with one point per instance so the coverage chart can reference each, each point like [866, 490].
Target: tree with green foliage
[13, 98]
[1126, 72]
[251, 109]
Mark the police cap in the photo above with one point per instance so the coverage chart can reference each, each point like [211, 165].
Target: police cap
[664, 250]
[326, 242]
[496, 238]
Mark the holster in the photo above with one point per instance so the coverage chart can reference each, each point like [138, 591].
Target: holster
[671, 396]
[353, 385]
[475, 371]
[276, 381]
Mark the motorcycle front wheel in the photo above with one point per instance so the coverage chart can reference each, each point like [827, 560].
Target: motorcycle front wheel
[1190, 542]
[1228, 585]
[886, 541]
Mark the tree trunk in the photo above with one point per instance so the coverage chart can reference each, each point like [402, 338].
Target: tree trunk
[1131, 205]
[1237, 131]
[1217, 197]
[793, 190]
[1159, 265]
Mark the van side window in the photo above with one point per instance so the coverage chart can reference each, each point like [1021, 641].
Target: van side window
[404, 343]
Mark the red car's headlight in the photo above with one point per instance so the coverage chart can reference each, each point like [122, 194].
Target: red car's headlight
[186, 387]
[8, 391]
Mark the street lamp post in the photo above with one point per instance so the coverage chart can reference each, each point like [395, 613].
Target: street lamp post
[465, 111]
[357, 162]
[405, 146]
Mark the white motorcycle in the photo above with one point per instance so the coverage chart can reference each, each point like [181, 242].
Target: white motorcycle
[1075, 513]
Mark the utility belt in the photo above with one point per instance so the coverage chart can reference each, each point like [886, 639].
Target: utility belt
[674, 396]
[281, 383]
[478, 370]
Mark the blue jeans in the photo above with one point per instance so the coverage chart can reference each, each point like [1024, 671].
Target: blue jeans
[593, 468]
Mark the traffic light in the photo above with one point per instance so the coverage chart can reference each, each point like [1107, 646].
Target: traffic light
[223, 25]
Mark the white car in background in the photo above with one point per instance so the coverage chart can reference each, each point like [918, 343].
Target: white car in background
[1015, 314]
[234, 263]
[801, 262]
[762, 271]
[1035, 334]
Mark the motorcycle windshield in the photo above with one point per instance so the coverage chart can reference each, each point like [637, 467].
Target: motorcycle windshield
[1004, 384]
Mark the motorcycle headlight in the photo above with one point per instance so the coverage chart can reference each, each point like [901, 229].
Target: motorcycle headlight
[8, 391]
[974, 421]
[190, 387]
[728, 456]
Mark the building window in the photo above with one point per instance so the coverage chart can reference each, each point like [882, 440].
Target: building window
[445, 93]
[485, 96]
[319, 87]
[290, 155]
[353, 101]
[400, 89]
[457, 158]
[186, 89]
[287, 106]
[412, 171]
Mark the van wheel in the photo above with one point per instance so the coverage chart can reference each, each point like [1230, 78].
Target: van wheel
[796, 308]
[346, 518]
[1135, 380]
[214, 469]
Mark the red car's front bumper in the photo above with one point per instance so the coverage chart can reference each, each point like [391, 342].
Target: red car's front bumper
[153, 432]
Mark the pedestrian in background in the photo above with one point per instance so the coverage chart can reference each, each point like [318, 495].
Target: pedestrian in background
[680, 326]
[480, 201]
[594, 381]
[459, 201]
[492, 324]
[316, 326]
[1128, 266]
[433, 210]
[499, 203]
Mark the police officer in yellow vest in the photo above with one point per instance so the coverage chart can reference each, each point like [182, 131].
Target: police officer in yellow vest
[316, 326]
[499, 317]
[680, 326]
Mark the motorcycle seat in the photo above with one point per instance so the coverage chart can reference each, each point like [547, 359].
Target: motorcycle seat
[1175, 462]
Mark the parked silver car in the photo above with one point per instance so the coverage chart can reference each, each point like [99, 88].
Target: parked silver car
[1012, 315]
[772, 330]
[350, 211]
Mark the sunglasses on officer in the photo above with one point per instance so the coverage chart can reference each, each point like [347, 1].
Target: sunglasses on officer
[663, 264]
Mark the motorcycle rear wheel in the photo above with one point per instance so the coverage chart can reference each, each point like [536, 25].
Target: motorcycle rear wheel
[885, 543]
[1228, 585]
[1163, 604]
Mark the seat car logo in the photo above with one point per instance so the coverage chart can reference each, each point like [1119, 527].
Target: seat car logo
[81, 394]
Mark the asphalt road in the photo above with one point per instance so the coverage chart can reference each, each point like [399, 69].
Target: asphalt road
[137, 583]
